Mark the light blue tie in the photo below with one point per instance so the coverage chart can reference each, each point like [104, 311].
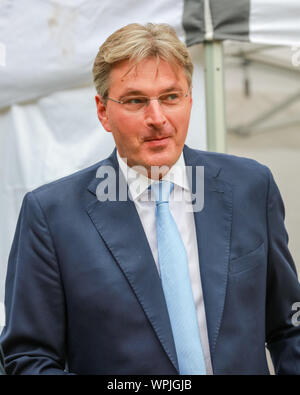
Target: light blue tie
[176, 284]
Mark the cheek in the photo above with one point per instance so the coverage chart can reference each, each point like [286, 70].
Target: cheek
[133, 124]
[181, 123]
[127, 129]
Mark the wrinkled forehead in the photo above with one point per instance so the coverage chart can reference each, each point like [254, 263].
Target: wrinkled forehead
[152, 70]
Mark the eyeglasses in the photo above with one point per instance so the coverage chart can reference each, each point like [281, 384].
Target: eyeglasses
[168, 100]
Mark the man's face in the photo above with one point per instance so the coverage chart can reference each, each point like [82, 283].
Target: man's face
[155, 134]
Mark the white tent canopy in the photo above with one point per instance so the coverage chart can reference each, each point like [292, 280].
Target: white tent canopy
[50, 46]
[258, 21]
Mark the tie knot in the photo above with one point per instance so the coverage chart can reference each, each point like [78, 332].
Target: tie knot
[162, 191]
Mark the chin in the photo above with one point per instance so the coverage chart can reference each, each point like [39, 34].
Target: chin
[160, 155]
[162, 159]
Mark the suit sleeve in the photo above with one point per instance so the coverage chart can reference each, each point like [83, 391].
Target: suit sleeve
[33, 339]
[1, 362]
[283, 290]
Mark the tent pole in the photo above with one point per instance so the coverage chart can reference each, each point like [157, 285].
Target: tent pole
[215, 96]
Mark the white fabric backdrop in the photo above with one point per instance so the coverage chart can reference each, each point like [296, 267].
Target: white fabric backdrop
[275, 22]
[48, 122]
[51, 44]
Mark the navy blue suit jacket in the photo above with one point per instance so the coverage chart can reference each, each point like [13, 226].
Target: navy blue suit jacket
[82, 287]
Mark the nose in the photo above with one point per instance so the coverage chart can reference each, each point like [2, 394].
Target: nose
[154, 115]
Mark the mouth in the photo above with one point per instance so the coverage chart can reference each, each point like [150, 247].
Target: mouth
[157, 141]
[156, 138]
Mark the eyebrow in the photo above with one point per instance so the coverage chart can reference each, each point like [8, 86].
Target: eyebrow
[131, 92]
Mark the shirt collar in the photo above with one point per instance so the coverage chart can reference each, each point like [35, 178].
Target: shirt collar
[138, 183]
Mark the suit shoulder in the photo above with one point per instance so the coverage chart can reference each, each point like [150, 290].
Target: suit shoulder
[234, 161]
[235, 168]
[68, 180]
[66, 190]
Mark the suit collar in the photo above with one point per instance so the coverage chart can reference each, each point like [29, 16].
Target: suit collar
[112, 162]
[191, 157]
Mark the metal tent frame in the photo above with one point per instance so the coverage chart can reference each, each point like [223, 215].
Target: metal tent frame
[257, 56]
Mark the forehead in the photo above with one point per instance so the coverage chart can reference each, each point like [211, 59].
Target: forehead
[150, 74]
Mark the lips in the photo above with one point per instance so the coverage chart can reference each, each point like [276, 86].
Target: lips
[158, 142]
[158, 138]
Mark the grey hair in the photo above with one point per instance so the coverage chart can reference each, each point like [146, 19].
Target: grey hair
[136, 42]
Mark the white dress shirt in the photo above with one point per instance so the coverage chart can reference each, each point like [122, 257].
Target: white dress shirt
[180, 208]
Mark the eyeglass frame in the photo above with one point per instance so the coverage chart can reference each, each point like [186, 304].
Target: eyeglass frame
[149, 98]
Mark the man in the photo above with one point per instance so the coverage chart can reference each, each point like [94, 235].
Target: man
[102, 284]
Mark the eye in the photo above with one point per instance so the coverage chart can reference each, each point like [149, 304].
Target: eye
[170, 98]
[134, 100]
[173, 96]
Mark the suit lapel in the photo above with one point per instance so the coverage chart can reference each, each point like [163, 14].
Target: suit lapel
[213, 228]
[119, 225]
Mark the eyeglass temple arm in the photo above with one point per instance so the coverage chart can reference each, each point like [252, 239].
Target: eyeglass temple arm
[117, 101]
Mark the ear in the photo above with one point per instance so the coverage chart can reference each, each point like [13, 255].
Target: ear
[191, 97]
[102, 113]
